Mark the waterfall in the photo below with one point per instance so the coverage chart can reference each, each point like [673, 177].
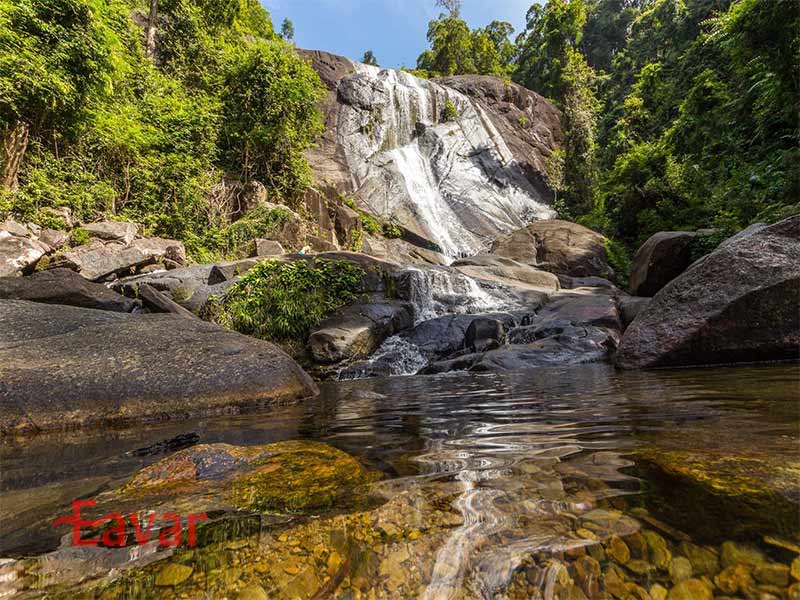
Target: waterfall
[455, 183]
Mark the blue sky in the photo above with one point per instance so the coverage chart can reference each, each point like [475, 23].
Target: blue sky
[393, 29]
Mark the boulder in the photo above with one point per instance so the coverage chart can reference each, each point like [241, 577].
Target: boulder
[54, 238]
[15, 228]
[738, 304]
[65, 367]
[356, 331]
[63, 286]
[267, 248]
[112, 231]
[157, 302]
[348, 225]
[559, 247]
[661, 259]
[505, 270]
[401, 251]
[97, 259]
[450, 334]
[19, 254]
[630, 307]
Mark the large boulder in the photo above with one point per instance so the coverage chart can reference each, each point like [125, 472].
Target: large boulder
[559, 247]
[65, 367]
[63, 286]
[738, 304]
[112, 231]
[19, 254]
[661, 259]
[356, 331]
[505, 270]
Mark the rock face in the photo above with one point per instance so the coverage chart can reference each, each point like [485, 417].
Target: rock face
[458, 183]
[65, 367]
[661, 259]
[738, 304]
[62, 286]
[559, 247]
[488, 267]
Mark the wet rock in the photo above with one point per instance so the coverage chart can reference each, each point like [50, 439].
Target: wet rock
[690, 589]
[173, 574]
[559, 247]
[252, 592]
[733, 553]
[112, 231]
[19, 255]
[102, 367]
[267, 248]
[658, 592]
[772, 574]
[735, 578]
[283, 477]
[63, 286]
[661, 259]
[402, 252]
[660, 554]
[680, 569]
[504, 270]
[795, 569]
[448, 335]
[706, 316]
[618, 550]
[630, 307]
[705, 561]
[356, 331]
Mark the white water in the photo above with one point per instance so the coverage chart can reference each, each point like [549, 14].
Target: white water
[455, 183]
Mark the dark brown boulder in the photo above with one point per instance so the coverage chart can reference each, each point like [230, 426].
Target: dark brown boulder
[63, 367]
[738, 304]
[559, 247]
[64, 286]
[661, 259]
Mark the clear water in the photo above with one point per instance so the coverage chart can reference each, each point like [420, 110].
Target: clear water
[493, 486]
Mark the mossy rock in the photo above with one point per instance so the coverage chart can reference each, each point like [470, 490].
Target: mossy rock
[283, 477]
[724, 494]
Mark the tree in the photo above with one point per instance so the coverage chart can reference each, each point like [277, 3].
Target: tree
[451, 48]
[369, 59]
[150, 31]
[453, 7]
[287, 30]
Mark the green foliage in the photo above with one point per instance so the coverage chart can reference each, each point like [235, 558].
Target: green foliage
[370, 224]
[619, 259]
[79, 237]
[287, 30]
[282, 301]
[392, 231]
[369, 59]
[449, 112]
[261, 222]
[116, 135]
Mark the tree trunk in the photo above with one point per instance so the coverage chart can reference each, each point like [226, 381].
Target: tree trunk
[15, 142]
[150, 33]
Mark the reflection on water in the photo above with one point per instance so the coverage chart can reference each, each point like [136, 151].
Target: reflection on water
[569, 483]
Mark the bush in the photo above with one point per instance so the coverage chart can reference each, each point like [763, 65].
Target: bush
[392, 231]
[78, 237]
[449, 112]
[281, 302]
[262, 222]
[370, 224]
[620, 260]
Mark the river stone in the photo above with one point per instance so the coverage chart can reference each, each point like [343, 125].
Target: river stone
[680, 569]
[63, 286]
[356, 331]
[690, 589]
[772, 574]
[112, 231]
[705, 561]
[735, 578]
[661, 259]
[708, 316]
[630, 307]
[65, 367]
[252, 592]
[19, 254]
[173, 574]
[795, 568]
[733, 553]
[559, 247]
[618, 550]
[658, 592]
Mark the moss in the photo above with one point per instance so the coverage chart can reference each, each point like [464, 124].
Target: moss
[79, 237]
[301, 477]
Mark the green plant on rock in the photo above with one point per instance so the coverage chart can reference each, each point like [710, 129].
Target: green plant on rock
[392, 231]
[620, 260]
[261, 222]
[357, 240]
[281, 302]
[370, 224]
[449, 112]
[78, 237]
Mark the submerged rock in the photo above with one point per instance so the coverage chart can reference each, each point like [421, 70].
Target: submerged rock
[65, 367]
[559, 247]
[738, 304]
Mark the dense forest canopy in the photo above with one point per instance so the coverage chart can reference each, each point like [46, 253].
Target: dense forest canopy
[679, 114]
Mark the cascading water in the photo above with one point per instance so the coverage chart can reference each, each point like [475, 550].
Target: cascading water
[455, 183]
